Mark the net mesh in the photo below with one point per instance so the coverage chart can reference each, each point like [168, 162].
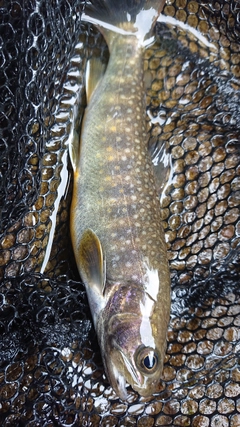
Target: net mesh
[50, 367]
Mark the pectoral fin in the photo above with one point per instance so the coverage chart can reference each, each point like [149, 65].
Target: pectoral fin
[92, 262]
[94, 71]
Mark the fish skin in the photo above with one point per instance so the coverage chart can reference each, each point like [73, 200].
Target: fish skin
[114, 196]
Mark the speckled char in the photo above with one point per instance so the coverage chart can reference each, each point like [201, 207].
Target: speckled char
[50, 364]
[114, 193]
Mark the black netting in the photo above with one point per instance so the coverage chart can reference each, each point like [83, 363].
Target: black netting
[50, 366]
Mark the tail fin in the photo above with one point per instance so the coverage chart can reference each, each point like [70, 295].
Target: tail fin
[124, 16]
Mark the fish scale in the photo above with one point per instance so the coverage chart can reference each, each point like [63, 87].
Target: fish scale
[114, 192]
[116, 229]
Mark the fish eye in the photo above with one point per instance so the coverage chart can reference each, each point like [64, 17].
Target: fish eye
[147, 360]
[150, 361]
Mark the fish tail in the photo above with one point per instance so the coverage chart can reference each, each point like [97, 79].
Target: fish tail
[124, 16]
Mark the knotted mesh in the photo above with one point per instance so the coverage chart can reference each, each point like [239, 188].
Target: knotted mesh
[50, 366]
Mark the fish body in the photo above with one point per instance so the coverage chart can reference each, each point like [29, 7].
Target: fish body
[116, 228]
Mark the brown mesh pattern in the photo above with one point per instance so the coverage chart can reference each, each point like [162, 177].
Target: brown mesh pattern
[50, 367]
[199, 106]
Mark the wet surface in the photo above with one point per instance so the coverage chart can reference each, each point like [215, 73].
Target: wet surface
[51, 372]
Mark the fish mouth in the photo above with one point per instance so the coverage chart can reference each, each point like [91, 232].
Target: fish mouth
[137, 381]
[120, 387]
[135, 375]
[118, 378]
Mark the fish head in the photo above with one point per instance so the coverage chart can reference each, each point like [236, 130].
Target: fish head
[130, 319]
[128, 357]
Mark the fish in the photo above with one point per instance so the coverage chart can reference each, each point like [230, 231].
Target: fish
[115, 219]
